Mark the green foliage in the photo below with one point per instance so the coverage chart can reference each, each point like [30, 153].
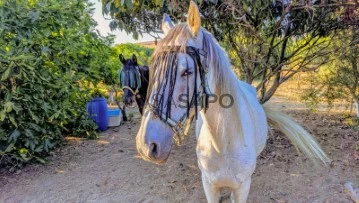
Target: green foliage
[311, 100]
[339, 79]
[130, 116]
[133, 16]
[143, 54]
[269, 41]
[109, 66]
[49, 54]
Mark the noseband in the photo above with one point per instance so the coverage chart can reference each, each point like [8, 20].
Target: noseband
[182, 126]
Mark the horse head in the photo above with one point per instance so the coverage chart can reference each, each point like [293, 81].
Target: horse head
[177, 84]
[130, 79]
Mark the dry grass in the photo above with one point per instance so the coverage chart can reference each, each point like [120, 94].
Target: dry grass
[294, 89]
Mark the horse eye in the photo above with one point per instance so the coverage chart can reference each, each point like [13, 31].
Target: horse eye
[186, 73]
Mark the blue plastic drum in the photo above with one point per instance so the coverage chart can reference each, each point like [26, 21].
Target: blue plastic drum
[98, 112]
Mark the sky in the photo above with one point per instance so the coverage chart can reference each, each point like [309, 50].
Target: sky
[103, 27]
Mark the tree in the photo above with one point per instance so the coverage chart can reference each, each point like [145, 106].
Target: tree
[127, 50]
[270, 41]
[48, 51]
[340, 79]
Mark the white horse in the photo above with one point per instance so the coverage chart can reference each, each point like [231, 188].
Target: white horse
[187, 65]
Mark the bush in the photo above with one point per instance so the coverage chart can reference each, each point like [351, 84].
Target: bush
[143, 53]
[49, 51]
[337, 81]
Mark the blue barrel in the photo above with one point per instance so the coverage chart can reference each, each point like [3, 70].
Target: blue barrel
[98, 112]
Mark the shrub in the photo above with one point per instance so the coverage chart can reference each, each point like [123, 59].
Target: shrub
[49, 51]
[143, 53]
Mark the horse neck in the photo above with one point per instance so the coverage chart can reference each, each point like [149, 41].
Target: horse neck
[224, 123]
[142, 91]
[144, 82]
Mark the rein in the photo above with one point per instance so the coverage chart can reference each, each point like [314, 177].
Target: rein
[182, 126]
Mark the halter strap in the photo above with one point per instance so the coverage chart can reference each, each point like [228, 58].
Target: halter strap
[182, 126]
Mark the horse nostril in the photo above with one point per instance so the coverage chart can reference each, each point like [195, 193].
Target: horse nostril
[153, 149]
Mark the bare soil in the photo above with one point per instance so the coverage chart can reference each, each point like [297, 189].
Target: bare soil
[108, 169]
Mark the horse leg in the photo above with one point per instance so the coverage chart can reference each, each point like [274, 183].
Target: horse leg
[140, 103]
[240, 194]
[141, 110]
[124, 114]
[123, 111]
[212, 192]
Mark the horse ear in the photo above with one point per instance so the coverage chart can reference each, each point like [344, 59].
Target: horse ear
[134, 59]
[122, 59]
[167, 24]
[194, 19]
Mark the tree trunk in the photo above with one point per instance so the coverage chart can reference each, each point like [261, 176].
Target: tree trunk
[268, 94]
[356, 103]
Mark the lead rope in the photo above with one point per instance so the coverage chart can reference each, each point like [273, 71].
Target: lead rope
[130, 89]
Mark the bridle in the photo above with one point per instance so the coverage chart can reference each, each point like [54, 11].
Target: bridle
[182, 126]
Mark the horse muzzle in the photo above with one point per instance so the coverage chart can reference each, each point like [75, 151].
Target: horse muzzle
[152, 154]
[154, 144]
[129, 102]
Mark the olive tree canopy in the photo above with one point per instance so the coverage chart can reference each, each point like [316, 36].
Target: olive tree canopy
[269, 41]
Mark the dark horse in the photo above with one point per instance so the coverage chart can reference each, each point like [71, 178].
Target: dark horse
[134, 82]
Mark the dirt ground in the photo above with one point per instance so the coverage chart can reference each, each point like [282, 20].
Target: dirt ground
[108, 169]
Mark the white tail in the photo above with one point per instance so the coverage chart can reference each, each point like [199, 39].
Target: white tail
[299, 137]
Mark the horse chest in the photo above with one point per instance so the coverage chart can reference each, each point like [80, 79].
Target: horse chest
[226, 171]
[229, 167]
